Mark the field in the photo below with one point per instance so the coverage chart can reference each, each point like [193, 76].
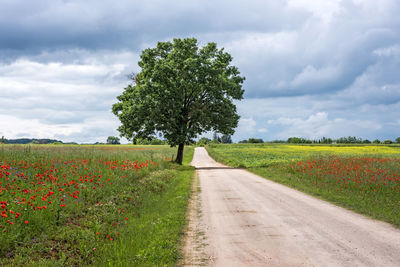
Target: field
[365, 178]
[91, 205]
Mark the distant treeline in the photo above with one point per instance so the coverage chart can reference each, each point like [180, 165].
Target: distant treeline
[325, 140]
[252, 140]
[341, 140]
[29, 141]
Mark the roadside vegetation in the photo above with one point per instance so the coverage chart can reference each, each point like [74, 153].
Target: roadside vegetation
[92, 205]
[364, 178]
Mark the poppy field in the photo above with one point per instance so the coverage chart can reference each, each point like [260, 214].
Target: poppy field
[365, 178]
[74, 205]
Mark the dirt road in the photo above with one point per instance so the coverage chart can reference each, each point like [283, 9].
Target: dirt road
[250, 221]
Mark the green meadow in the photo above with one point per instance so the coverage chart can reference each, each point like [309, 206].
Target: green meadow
[64, 205]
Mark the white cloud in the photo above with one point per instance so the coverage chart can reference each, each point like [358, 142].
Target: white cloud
[393, 50]
[310, 75]
[19, 127]
[62, 100]
[322, 9]
[247, 123]
[245, 129]
[319, 125]
[94, 129]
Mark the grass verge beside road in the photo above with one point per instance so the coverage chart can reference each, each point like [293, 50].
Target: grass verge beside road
[153, 236]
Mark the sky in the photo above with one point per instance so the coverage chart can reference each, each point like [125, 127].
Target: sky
[313, 68]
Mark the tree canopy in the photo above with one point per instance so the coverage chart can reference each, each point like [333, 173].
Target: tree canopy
[181, 91]
[113, 140]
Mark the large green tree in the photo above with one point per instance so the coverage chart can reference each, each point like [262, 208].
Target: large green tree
[181, 91]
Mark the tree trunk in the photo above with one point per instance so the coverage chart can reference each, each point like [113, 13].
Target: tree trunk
[179, 156]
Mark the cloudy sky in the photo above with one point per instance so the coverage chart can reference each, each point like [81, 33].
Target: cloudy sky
[313, 68]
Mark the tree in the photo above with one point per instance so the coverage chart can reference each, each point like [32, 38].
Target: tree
[298, 140]
[226, 139]
[325, 140]
[397, 140]
[203, 141]
[376, 141]
[153, 141]
[2, 140]
[181, 91]
[216, 138]
[255, 140]
[113, 140]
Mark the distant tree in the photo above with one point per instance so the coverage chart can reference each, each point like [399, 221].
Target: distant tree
[325, 140]
[30, 141]
[2, 140]
[349, 140]
[57, 143]
[181, 91]
[149, 141]
[226, 139]
[203, 141]
[255, 140]
[157, 141]
[216, 138]
[397, 140]
[278, 141]
[376, 141]
[366, 141]
[113, 140]
[387, 141]
[243, 142]
[297, 140]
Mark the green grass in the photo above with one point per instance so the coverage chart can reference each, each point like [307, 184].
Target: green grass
[124, 217]
[365, 179]
[153, 237]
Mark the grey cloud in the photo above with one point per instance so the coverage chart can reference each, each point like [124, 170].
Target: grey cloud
[128, 24]
[321, 57]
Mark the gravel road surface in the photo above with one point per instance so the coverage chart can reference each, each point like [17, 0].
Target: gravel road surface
[247, 220]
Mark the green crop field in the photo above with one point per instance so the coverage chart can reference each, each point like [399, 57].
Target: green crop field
[364, 178]
[91, 205]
